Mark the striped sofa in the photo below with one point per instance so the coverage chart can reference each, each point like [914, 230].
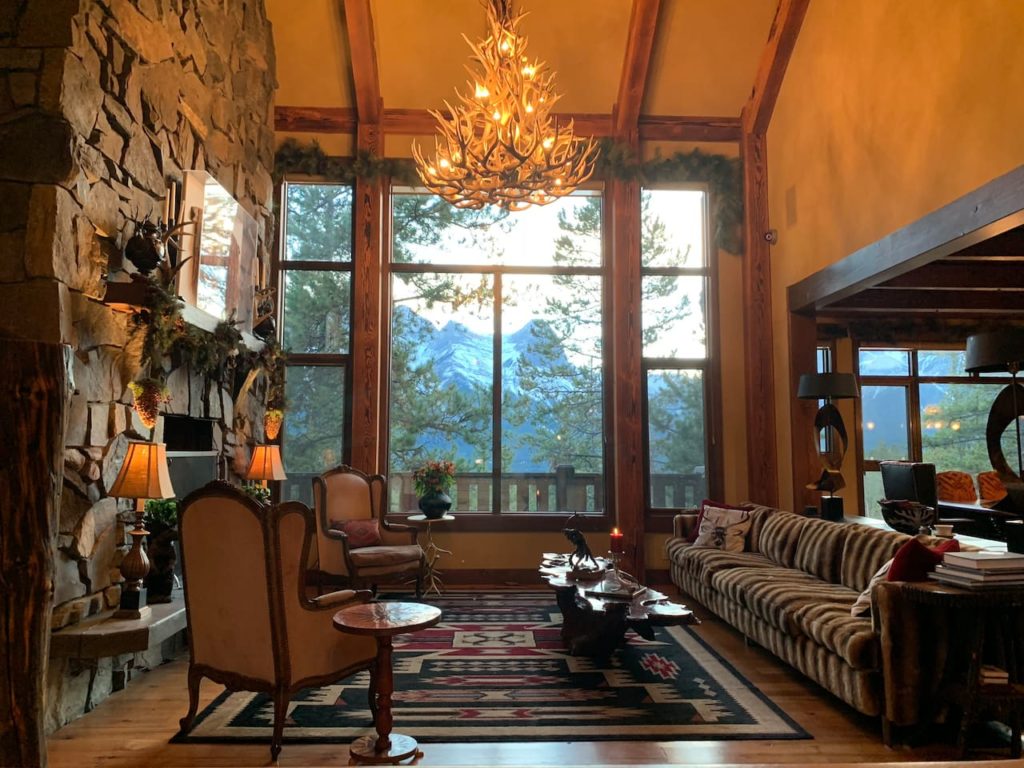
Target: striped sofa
[791, 592]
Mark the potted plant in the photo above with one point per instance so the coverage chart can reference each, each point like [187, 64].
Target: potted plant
[432, 481]
[161, 520]
[259, 492]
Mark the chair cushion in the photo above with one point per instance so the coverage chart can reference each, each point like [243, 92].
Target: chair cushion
[864, 552]
[361, 533]
[375, 557]
[820, 552]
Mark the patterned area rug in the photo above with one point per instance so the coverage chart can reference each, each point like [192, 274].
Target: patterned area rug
[494, 670]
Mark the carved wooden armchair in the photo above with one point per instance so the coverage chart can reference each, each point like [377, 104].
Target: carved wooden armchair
[355, 541]
[250, 625]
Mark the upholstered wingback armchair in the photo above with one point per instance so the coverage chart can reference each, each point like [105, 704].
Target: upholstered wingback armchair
[355, 541]
[956, 486]
[250, 625]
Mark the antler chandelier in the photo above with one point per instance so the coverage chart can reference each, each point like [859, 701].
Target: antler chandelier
[501, 146]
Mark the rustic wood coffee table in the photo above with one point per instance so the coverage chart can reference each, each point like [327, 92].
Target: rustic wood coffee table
[594, 622]
[382, 621]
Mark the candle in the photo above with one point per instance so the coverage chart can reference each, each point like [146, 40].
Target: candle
[616, 545]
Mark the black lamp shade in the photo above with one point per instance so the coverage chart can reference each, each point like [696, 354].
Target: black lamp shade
[827, 386]
[995, 351]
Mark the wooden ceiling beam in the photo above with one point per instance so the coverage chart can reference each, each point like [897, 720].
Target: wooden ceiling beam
[363, 53]
[643, 21]
[973, 274]
[419, 122]
[942, 301]
[782, 36]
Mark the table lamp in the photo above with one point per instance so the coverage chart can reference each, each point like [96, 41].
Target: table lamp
[143, 475]
[266, 464]
[996, 352]
[829, 387]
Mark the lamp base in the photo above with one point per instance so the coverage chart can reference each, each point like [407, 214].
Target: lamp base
[832, 508]
[132, 605]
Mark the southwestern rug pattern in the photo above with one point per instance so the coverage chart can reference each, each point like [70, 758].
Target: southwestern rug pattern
[494, 669]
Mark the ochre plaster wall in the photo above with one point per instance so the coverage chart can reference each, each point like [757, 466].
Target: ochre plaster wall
[889, 110]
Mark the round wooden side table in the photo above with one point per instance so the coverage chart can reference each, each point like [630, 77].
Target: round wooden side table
[433, 552]
[382, 621]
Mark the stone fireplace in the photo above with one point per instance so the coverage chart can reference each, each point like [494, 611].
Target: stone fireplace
[102, 104]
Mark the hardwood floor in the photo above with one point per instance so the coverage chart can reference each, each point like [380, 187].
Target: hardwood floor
[132, 728]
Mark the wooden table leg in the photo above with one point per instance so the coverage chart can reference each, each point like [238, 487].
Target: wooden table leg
[385, 747]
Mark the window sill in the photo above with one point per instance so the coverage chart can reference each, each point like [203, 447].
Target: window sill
[511, 522]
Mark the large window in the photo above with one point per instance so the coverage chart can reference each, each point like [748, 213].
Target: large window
[675, 285]
[920, 405]
[497, 345]
[315, 271]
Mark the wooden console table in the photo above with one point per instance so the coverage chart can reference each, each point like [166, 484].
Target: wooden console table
[980, 611]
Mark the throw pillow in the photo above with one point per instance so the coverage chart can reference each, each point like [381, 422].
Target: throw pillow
[914, 561]
[361, 533]
[723, 528]
[862, 605]
[700, 515]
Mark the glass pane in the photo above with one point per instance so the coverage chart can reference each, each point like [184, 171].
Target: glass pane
[884, 411]
[316, 311]
[940, 362]
[427, 230]
[884, 362]
[673, 317]
[675, 438]
[442, 337]
[953, 420]
[314, 423]
[318, 226]
[824, 360]
[552, 394]
[873, 493]
[672, 228]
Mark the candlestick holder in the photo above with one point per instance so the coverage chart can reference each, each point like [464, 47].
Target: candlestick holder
[619, 582]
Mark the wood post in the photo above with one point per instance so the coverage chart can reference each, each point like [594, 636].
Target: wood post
[34, 396]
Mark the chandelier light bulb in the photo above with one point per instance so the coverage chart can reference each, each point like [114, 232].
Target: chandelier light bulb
[502, 146]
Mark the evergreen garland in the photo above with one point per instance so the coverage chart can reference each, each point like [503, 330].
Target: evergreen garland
[723, 175]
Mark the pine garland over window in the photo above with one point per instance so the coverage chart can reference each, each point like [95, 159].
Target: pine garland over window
[722, 175]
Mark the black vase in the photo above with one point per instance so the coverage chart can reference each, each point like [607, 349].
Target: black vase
[162, 559]
[434, 505]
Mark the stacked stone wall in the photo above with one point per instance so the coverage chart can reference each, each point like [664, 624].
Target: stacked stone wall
[102, 104]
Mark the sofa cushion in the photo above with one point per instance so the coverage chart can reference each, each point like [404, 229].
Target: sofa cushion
[769, 593]
[723, 529]
[913, 561]
[704, 562]
[779, 537]
[759, 515]
[820, 551]
[830, 624]
[864, 552]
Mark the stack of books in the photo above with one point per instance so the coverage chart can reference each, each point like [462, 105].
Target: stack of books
[992, 675]
[981, 570]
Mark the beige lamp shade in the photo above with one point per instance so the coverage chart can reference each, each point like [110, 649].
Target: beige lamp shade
[144, 473]
[266, 464]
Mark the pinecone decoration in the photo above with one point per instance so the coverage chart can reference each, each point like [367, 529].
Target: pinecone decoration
[272, 423]
[148, 395]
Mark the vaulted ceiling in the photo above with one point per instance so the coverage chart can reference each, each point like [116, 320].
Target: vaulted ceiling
[703, 62]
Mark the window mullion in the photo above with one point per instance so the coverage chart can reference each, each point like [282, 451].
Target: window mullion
[496, 390]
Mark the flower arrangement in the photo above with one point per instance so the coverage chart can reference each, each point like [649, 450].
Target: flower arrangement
[434, 477]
